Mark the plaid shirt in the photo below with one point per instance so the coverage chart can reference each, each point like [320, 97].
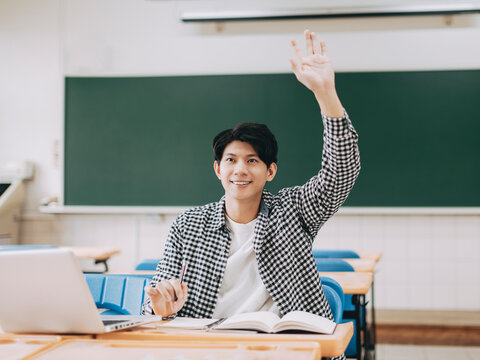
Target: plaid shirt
[286, 227]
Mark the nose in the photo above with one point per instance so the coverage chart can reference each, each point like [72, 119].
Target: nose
[240, 167]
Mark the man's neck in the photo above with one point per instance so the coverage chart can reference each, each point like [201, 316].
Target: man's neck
[242, 212]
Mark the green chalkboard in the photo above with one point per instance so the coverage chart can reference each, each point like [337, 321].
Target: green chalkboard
[147, 140]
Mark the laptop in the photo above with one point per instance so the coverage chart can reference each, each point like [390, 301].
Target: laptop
[44, 291]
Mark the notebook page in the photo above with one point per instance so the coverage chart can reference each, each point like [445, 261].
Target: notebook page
[248, 320]
[307, 321]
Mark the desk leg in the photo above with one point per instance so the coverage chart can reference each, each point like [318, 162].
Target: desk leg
[358, 324]
[366, 341]
[373, 338]
[104, 262]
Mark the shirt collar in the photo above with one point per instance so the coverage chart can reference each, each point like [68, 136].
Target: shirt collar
[219, 217]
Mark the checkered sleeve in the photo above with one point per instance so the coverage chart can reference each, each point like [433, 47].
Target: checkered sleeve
[322, 195]
[170, 265]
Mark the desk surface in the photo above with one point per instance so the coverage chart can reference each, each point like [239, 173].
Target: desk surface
[362, 265]
[22, 346]
[94, 253]
[101, 349]
[370, 254]
[149, 337]
[357, 283]
[331, 345]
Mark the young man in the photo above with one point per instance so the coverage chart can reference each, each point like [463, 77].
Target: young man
[252, 250]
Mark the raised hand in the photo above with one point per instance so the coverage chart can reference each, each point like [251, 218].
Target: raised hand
[167, 297]
[315, 71]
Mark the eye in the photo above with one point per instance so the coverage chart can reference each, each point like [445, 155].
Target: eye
[252, 160]
[229, 159]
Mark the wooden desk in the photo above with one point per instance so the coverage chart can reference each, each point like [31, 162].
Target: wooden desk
[101, 349]
[362, 265]
[22, 346]
[355, 283]
[100, 255]
[331, 345]
[164, 341]
[16, 346]
[370, 254]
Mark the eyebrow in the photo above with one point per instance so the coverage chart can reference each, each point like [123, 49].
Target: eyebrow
[232, 154]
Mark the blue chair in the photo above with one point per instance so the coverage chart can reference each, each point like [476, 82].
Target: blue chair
[349, 308]
[119, 294]
[327, 281]
[335, 265]
[148, 264]
[334, 294]
[335, 254]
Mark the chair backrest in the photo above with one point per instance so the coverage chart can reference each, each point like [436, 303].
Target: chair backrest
[336, 265]
[328, 281]
[120, 294]
[335, 302]
[148, 264]
[334, 254]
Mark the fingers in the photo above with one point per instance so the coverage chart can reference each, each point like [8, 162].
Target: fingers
[163, 298]
[324, 48]
[316, 46]
[159, 304]
[167, 290]
[309, 42]
[296, 49]
[293, 65]
[152, 292]
[177, 289]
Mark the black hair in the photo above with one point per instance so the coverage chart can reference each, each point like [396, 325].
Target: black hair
[257, 135]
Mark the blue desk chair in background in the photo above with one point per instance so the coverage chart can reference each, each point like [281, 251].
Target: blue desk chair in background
[334, 254]
[333, 265]
[334, 294]
[351, 310]
[147, 265]
[119, 294]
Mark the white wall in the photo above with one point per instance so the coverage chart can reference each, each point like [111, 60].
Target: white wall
[42, 41]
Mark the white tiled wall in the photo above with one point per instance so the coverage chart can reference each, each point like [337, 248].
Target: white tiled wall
[429, 261]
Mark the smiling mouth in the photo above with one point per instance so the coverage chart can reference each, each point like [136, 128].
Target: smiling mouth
[240, 182]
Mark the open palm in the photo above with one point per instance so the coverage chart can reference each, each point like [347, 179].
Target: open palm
[314, 69]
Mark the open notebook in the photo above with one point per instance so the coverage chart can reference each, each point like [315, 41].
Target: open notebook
[262, 321]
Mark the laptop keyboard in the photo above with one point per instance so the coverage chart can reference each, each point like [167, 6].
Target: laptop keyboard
[113, 322]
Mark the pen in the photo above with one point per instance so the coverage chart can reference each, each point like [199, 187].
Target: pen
[184, 269]
[182, 275]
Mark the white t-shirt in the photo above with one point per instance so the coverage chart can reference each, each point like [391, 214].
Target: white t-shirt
[242, 289]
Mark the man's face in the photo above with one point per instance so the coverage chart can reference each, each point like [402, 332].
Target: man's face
[242, 173]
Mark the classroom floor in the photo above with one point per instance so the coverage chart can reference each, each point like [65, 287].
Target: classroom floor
[424, 352]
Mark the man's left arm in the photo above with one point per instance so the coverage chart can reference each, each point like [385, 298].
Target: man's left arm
[322, 195]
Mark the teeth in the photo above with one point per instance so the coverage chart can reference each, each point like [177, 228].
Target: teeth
[241, 182]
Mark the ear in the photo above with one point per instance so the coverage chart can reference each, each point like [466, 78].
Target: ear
[216, 168]
[272, 170]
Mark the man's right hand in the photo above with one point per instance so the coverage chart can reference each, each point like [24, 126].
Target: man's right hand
[163, 296]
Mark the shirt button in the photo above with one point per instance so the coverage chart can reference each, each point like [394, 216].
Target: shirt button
[218, 277]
